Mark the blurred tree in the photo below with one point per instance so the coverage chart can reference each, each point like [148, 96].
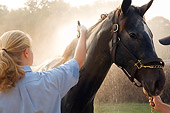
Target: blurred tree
[32, 5]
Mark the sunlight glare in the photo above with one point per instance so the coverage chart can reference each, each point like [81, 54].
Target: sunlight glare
[79, 2]
[13, 4]
[66, 35]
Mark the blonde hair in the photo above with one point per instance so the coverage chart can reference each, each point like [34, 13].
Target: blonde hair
[12, 44]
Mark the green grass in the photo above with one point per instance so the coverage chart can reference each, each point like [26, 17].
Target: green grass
[123, 108]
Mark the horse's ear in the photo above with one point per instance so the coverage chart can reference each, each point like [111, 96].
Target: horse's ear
[144, 8]
[125, 6]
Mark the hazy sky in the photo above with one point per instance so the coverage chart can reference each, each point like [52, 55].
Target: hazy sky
[159, 7]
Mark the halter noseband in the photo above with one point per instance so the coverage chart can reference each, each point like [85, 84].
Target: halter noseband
[138, 64]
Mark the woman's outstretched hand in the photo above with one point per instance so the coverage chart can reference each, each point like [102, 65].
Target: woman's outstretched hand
[80, 52]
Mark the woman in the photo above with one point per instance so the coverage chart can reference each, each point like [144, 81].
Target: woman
[156, 101]
[24, 91]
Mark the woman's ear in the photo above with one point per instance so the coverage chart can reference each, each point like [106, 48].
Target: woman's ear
[26, 53]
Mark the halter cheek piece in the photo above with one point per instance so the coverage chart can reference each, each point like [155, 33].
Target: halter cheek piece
[138, 64]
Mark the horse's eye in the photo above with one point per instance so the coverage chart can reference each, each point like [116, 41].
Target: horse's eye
[133, 35]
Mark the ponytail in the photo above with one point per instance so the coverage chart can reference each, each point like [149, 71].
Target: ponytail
[13, 44]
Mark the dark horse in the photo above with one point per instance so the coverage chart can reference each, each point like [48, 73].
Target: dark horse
[121, 37]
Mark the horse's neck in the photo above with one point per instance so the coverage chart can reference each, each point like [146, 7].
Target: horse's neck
[95, 69]
[92, 75]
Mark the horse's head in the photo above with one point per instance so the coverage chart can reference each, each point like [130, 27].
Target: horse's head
[131, 45]
[134, 51]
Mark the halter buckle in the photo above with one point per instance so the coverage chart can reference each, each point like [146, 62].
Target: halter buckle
[115, 28]
[139, 65]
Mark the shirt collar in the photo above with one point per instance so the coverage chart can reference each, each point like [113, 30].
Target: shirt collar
[27, 68]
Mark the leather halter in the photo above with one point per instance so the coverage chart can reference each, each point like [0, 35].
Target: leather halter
[138, 63]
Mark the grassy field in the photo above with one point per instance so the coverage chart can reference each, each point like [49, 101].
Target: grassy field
[123, 108]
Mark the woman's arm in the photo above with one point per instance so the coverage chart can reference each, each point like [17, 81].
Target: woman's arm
[80, 52]
[65, 76]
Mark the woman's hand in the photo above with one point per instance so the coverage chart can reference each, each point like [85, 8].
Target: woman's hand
[80, 52]
[81, 30]
[156, 103]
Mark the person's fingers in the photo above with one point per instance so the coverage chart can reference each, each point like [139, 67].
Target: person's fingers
[78, 28]
[151, 103]
[81, 28]
[150, 98]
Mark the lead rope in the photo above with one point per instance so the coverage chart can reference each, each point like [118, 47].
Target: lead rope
[152, 107]
[152, 110]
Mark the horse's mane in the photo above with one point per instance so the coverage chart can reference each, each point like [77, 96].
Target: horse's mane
[103, 16]
[99, 21]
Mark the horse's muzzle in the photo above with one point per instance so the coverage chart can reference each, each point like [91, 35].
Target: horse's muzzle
[153, 81]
